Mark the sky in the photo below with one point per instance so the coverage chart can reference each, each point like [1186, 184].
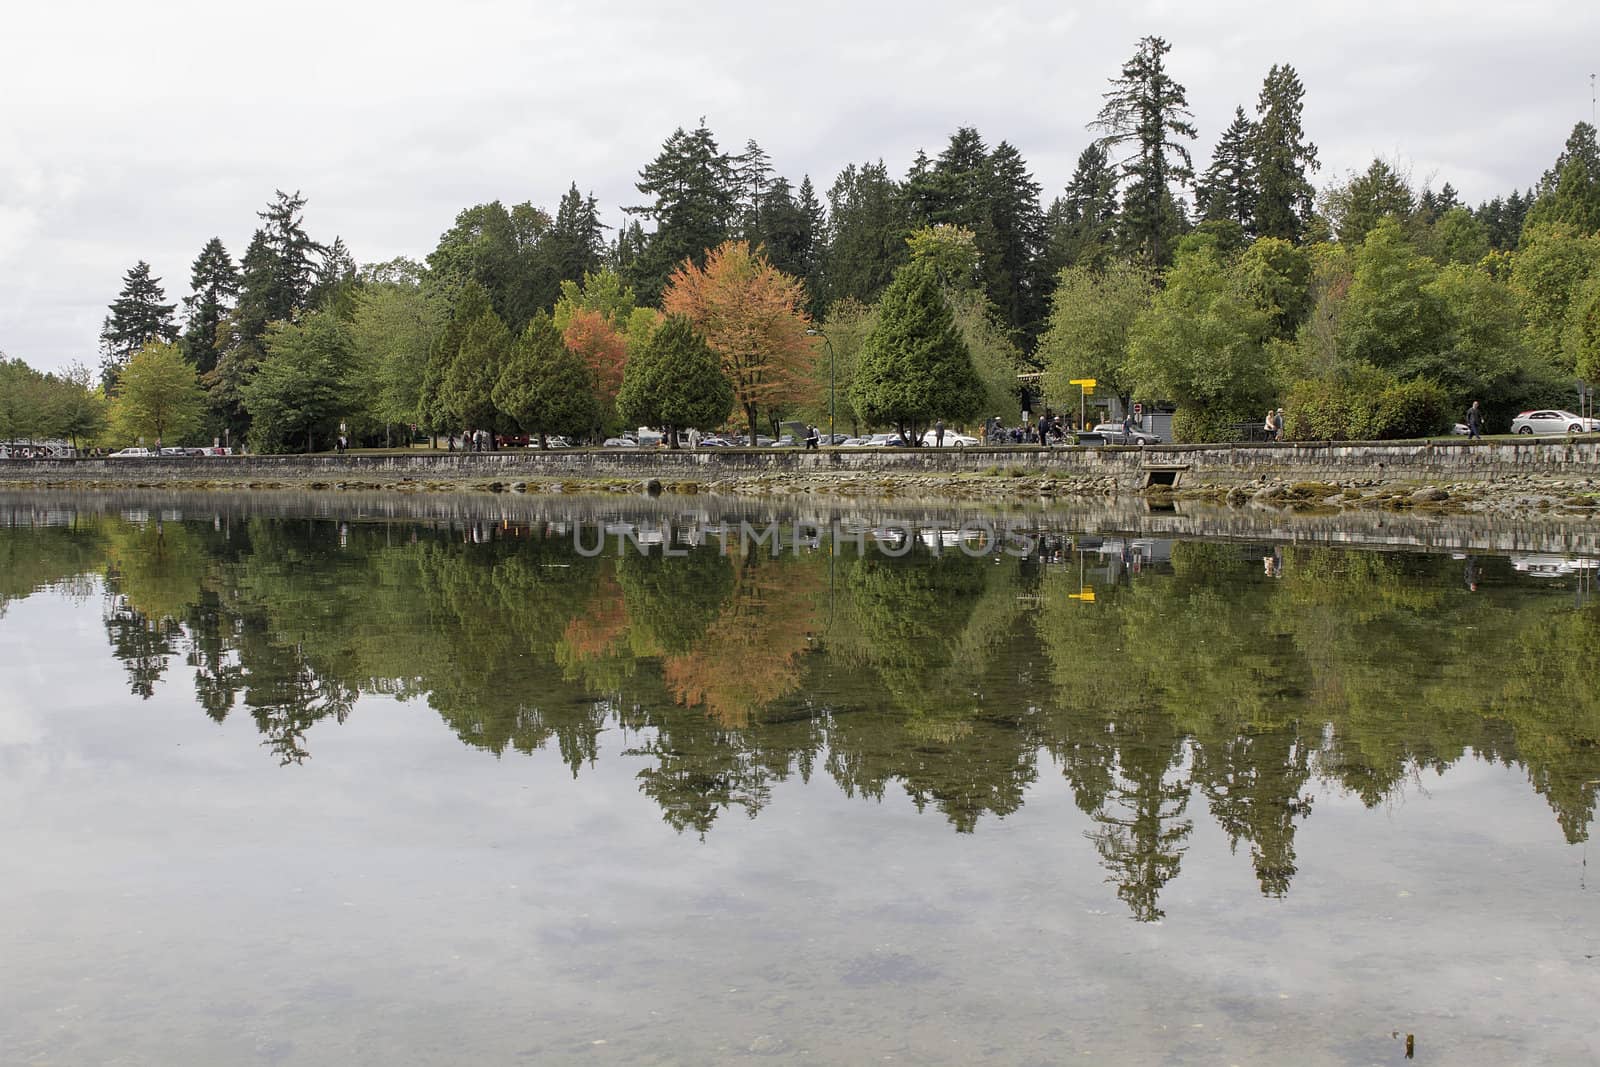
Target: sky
[139, 131]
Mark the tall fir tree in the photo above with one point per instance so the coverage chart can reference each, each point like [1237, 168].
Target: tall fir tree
[815, 221]
[751, 171]
[1080, 227]
[295, 256]
[214, 284]
[694, 208]
[139, 314]
[575, 245]
[1147, 112]
[1283, 158]
[1227, 189]
[1011, 269]
[783, 229]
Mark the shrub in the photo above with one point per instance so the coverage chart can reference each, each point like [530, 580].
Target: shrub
[1194, 425]
[1366, 404]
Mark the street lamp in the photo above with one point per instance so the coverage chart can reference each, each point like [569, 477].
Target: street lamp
[816, 331]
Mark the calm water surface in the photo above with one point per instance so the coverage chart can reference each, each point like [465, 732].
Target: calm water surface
[313, 786]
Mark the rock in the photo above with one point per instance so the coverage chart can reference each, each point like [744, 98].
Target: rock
[1429, 495]
[652, 486]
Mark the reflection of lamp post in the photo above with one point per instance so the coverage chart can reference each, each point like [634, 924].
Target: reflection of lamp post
[816, 331]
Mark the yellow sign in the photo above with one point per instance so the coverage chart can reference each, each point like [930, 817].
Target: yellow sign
[1087, 596]
[1087, 383]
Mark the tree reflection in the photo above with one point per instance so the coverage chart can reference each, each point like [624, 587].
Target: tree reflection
[934, 673]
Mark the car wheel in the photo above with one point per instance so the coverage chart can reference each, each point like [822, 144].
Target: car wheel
[1526, 429]
[1574, 428]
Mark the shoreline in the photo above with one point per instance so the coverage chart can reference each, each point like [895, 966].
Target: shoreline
[1536, 477]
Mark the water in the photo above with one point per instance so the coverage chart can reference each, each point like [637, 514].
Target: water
[315, 781]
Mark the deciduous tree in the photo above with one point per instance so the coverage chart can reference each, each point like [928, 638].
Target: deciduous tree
[158, 397]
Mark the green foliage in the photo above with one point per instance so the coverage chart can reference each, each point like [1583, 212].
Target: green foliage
[1460, 237]
[994, 357]
[1203, 343]
[215, 283]
[1393, 318]
[1548, 272]
[915, 368]
[1080, 227]
[694, 206]
[391, 335]
[867, 228]
[305, 386]
[1278, 275]
[1091, 322]
[158, 397]
[1227, 190]
[1357, 204]
[950, 251]
[543, 385]
[1368, 404]
[1582, 338]
[676, 382]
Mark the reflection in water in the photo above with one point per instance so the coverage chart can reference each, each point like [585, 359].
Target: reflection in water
[1167, 682]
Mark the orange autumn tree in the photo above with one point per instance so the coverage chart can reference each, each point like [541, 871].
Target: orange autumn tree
[751, 315]
[593, 339]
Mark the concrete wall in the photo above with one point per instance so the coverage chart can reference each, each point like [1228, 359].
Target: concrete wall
[1454, 461]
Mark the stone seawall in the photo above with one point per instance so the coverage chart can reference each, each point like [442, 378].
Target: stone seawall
[1112, 467]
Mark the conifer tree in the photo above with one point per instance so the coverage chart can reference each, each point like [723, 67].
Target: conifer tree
[214, 283]
[1227, 190]
[1081, 223]
[675, 382]
[815, 223]
[575, 245]
[694, 208]
[867, 229]
[139, 315]
[915, 367]
[1282, 158]
[1148, 112]
[546, 387]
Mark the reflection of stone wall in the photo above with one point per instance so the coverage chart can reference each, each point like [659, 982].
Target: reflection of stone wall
[1097, 516]
[1450, 461]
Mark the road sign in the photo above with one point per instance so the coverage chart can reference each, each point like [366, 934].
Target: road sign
[1138, 408]
[1087, 383]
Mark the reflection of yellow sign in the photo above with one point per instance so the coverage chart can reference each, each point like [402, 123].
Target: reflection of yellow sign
[1087, 383]
[1087, 596]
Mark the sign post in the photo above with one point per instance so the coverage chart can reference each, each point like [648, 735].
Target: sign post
[1087, 386]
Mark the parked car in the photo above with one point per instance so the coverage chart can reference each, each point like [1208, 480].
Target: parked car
[877, 440]
[952, 439]
[1461, 429]
[1553, 420]
[715, 442]
[131, 453]
[1112, 431]
[619, 442]
[786, 441]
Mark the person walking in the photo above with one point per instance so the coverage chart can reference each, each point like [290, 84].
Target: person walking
[1280, 425]
[1474, 422]
[938, 434]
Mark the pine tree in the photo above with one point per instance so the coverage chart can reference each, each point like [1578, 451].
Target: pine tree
[294, 256]
[783, 229]
[214, 283]
[242, 330]
[751, 172]
[467, 385]
[1081, 224]
[139, 314]
[815, 222]
[694, 209]
[1356, 205]
[546, 387]
[1282, 155]
[1149, 111]
[1227, 190]
[915, 367]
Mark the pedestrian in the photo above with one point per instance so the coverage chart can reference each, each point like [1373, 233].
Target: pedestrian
[812, 437]
[1127, 427]
[938, 434]
[1269, 428]
[1279, 422]
[1474, 422]
[1044, 423]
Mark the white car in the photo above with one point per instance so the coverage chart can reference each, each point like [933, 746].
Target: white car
[1552, 420]
[1112, 431]
[952, 439]
[877, 440]
[131, 453]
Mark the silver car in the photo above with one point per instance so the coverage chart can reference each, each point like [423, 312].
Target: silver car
[1552, 420]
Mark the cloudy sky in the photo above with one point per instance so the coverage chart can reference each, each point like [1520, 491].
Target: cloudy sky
[138, 131]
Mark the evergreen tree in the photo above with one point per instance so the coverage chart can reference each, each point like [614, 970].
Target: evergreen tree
[1227, 190]
[783, 229]
[915, 367]
[139, 315]
[694, 209]
[1148, 111]
[475, 350]
[751, 172]
[294, 256]
[1356, 205]
[1012, 272]
[500, 250]
[214, 283]
[546, 387]
[867, 230]
[336, 279]
[814, 223]
[1282, 158]
[575, 245]
[1081, 223]
[1581, 146]
[242, 330]
[675, 382]
[304, 386]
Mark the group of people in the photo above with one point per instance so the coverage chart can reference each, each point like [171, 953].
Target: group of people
[1273, 427]
[470, 441]
[1049, 429]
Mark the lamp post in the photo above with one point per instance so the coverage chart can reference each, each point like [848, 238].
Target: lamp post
[816, 331]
